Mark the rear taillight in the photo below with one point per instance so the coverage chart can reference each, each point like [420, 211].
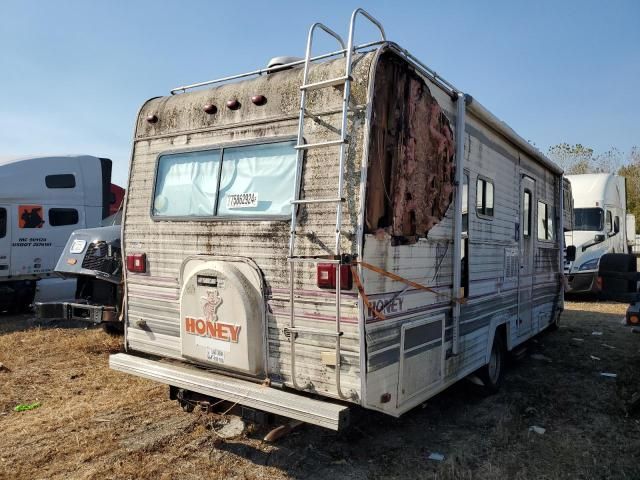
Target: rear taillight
[326, 276]
[137, 262]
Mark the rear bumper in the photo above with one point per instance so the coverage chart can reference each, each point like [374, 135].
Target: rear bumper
[582, 282]
[254, 395]
[83, 312]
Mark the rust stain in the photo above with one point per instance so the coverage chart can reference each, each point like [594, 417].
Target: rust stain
[410, 184]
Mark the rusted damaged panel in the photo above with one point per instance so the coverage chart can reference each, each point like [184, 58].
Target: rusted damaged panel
[411, 161]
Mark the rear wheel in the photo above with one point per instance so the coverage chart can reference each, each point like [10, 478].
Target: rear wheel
[555, 325]
[493, 372]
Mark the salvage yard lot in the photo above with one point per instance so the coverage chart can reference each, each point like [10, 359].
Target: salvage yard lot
[97, 423]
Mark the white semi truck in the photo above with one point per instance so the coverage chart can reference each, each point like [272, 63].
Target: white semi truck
[600, 227]
[43, 200]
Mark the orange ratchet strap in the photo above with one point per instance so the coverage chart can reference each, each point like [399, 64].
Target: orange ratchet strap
[395, 277]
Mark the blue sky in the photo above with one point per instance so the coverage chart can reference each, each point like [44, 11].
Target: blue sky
[73, 73]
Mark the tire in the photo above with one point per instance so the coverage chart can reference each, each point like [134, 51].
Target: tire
[492, 373]
[555, 325]
[113, 328]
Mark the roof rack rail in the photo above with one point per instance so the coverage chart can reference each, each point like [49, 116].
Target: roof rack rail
[262, 71]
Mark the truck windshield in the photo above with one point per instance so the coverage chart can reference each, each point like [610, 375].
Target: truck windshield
[588, 219]
[246, 181]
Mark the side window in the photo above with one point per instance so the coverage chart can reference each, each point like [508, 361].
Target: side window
[465, 203]
[65, 180]
[609, 222]
[616, 224]
[526, 214]
[3, 222]
[59, 217]
[484, 197]
[464, 244]
[545, 222]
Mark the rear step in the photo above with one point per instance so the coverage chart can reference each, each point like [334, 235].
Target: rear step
[254, 395]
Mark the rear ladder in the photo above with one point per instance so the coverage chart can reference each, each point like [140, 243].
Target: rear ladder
[342, 142]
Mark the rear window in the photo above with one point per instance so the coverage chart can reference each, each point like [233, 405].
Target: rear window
[3, 222]
[65, 180]
[246, 181]
[59, 217]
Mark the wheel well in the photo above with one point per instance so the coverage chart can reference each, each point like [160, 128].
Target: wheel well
[501, 332]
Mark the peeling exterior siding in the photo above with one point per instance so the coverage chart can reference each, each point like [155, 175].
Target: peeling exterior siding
[411, 154]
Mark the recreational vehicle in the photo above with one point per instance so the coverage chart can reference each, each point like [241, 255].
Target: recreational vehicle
[600, 227]
[43, 200]
[346, 229]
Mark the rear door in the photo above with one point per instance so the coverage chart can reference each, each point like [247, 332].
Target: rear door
[5, 240]
[527, 236]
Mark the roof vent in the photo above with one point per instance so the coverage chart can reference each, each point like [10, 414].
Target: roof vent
[276, 63]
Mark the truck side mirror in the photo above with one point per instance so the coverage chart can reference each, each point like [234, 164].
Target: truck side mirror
[571, 253]
[599, 238]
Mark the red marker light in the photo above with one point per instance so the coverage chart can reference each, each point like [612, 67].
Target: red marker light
[137, 262]
[152, 118]
[233, 104]
[210, 108]
[326, 276]
[259, 100]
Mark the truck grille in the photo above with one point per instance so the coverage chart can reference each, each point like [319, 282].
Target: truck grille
[96, 258]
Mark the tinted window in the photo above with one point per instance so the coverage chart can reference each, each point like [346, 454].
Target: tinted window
[3, 222]
[589, 219]
[484, 197]
[65, 180]
[63, 216]
[609, 222]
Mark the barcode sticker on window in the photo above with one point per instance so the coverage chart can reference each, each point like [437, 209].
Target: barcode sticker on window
[242, 200]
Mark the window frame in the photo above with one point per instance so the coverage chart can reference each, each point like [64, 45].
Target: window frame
[546, 223]
[479, 214]
[72, 175]
[217, 218]
[49, 210]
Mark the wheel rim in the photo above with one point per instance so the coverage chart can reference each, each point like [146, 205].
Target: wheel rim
[494, 365]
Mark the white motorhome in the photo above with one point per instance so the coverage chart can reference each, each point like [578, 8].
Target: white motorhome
[43, 200]
[600, 225]
[345, 229]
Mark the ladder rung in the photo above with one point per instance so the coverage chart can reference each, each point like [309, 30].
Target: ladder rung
[331, 143]
[312, 260]
[318, 200]
[313, 331]
[325, 83]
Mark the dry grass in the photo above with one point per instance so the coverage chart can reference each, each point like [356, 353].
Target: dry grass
[96, 423]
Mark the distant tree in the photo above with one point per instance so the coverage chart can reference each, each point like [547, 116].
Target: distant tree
[574, 159]
[631, 171]
[608, 162]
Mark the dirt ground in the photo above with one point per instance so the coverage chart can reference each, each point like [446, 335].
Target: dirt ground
[95, 423]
